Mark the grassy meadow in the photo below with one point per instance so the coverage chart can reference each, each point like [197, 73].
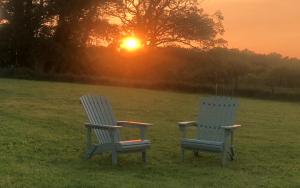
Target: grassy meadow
[43, 140]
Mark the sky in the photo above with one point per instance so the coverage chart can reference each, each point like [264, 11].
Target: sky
[263, 26]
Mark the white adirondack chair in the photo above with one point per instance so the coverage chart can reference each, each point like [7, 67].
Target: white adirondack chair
[102, 121]
[215, 127]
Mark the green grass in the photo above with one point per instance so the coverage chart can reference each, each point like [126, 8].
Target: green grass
[42, 140]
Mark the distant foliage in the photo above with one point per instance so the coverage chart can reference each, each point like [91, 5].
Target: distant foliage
[53, 39]
[230, 70]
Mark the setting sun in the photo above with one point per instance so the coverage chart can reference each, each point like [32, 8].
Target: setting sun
[131, 43]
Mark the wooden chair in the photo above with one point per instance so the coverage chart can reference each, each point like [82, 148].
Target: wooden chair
[215, 128]
[107, 130]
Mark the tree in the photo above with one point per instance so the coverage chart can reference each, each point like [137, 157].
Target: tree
[168, 22]
[35, 26]
[77, 21]
[25, 20]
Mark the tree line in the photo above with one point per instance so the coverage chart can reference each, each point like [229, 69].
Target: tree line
[222, 70]
[35, 27]
[183, 47]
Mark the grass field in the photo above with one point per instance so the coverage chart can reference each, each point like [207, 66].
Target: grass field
[42, 140]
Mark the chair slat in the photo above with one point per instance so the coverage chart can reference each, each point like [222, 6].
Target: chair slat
[99, 111]
[101, 119]
[214, 113]
[90, 114]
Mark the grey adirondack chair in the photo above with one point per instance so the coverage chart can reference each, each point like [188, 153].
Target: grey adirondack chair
[107, 130]
[215, 127]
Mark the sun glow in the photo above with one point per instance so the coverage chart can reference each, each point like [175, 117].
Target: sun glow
[3, 21]
[131, 44]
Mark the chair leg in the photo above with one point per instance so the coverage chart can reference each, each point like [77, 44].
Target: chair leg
[227, 151]
[232, 153]
[88, 155]
[227, 154]
[89, 152]
[114, 157]
[144, 156]
[224, 158]
[90, 149]
[182, 154]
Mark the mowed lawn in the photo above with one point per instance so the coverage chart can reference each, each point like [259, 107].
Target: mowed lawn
[42, 140]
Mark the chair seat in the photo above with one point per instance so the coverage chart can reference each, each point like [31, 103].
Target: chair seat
[133, 145]
[202, 144]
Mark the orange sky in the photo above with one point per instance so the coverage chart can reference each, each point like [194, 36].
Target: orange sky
[263, 26]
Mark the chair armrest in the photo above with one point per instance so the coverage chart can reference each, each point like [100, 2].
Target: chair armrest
[105, 127]
[187, 124]
[133, 124]
[139, 125]
[231, 127]
[184, 125]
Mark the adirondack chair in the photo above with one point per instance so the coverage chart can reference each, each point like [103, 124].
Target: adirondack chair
[215, 128]
[107, 130]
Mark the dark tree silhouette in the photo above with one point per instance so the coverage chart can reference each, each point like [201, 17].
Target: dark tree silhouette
[35, 26]
[168, 22]
[25, 22]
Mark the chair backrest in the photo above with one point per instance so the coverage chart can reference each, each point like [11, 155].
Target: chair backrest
[214, 113]
[99, 112]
